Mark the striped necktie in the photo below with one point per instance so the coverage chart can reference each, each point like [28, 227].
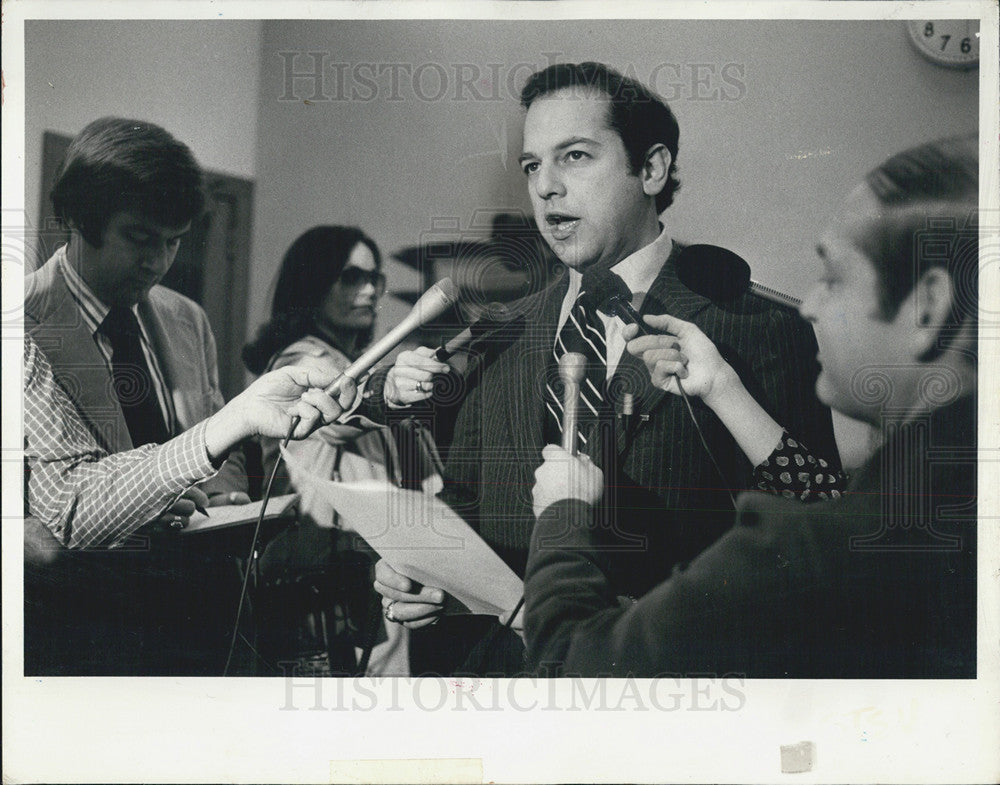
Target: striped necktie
[582, 333]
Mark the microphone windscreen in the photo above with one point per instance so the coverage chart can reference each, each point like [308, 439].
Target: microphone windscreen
[713, 272]
[600, 286]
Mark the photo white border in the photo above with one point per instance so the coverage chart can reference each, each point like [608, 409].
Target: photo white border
[234, 730]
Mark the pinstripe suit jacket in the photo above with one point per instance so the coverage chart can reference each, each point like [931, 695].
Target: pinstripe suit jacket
[665, 500]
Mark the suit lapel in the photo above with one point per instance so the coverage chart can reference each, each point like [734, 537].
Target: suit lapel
[666, 295]
[77, 364]
[179, 353]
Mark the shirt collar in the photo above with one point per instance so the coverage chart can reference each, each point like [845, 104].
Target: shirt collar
[94, 309]
[639, 269]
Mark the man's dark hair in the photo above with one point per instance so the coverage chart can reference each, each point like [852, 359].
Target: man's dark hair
[930, 196]
[116, 164]
[640, 117]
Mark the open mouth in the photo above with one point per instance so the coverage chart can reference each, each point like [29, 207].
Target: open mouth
[561, 226]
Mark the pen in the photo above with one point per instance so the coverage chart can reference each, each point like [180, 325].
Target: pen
[202, 510]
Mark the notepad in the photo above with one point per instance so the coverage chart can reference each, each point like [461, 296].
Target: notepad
[229, 515]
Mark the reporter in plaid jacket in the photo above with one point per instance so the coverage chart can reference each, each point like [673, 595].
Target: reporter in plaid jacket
[128, 192]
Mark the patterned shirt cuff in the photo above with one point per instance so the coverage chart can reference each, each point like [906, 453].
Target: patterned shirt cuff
[792, 471]
[188, 457]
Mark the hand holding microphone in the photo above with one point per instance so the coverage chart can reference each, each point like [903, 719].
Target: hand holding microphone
[434, 302]
[679, 350]
[411, 378]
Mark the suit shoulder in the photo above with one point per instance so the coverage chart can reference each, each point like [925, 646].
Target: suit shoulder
[164, 298]
[40, 292]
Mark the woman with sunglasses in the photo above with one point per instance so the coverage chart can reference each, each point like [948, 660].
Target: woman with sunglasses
[323, 315]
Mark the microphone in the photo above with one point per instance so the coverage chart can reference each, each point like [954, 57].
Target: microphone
[722, 276]
[572, 370]
[497, 317]
[432, 303]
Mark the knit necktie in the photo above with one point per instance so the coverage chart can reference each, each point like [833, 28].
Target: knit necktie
[132, 380]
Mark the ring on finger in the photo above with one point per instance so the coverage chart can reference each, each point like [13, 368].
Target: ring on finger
[389, 616]
[177, 523]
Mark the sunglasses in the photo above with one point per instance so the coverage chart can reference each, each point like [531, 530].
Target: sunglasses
[355, 278]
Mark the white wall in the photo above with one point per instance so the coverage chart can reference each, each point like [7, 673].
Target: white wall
[199, 80]
[821, 103]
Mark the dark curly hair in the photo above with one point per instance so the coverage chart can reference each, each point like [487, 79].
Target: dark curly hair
[311, 266]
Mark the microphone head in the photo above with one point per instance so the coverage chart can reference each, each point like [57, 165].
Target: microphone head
[713, 272]
[572, 368]
[601, 286]
[436, 300]
[444, 288]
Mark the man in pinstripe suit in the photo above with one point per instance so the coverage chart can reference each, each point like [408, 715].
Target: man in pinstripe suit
[600, 156]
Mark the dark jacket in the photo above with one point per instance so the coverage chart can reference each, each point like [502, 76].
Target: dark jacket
[878, 584]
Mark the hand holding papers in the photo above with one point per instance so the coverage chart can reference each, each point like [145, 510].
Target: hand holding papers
[421, 538]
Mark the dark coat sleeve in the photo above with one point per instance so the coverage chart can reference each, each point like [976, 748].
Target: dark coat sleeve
[734, 609]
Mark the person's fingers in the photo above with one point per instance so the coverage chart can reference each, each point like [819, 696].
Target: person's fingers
[410, 386]
[304, 375]
[630, 331]
[196, 495]
[411, 611]
[387, 576]
[227, 497]
[182, 507]
[665, 372]
[348, 393]
[169, 522]
[416, 625]
[651, 343]
[320, 401]
[667, 323]
[553, 452]
[422, 358]
[670, 368]
[427, 594]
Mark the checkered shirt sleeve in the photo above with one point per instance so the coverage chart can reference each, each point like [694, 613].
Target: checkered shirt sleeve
[87, 498]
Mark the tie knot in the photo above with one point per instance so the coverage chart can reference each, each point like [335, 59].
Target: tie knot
[120, 322]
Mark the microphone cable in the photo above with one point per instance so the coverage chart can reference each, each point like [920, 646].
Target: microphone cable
[251, 556]
[624, 310]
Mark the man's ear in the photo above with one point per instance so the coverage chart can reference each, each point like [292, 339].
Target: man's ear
[655, 169]
[930, 304]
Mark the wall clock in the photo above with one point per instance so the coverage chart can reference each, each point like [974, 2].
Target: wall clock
[953, 43]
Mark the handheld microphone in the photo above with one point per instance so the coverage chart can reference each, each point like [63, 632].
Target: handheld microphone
[572, 370]
[434, 302]
[722, 276]
[498, 317]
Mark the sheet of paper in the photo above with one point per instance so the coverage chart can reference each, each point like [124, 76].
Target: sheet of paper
[228, 515]
[421, 537]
